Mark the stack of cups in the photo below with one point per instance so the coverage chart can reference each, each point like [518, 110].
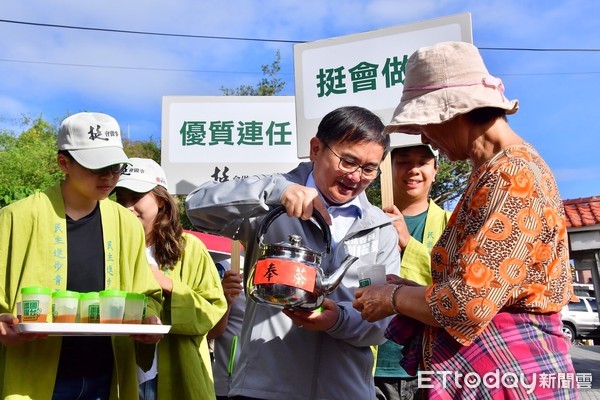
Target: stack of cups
[35, 303]
[64, 306]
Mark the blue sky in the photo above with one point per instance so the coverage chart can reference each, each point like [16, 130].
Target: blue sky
[52, 72]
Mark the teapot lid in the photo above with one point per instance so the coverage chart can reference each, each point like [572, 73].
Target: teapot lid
[294, 246]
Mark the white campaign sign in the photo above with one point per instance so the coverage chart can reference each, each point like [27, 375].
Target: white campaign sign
[226, 137]
[365, 69]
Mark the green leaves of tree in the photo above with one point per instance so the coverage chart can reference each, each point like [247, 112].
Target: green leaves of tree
[27, 161]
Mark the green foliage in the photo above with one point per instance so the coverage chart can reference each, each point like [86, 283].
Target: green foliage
[373, 192]
[450, 180]
[140, 149]
[185, 222]
[27, 161]
[269, 85]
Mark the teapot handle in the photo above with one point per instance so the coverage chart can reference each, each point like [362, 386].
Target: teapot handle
[277, 211]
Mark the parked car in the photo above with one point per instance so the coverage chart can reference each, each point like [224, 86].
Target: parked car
[580, 319]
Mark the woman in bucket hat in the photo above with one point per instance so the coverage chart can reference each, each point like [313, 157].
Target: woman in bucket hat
[193, 298]
[490, 321]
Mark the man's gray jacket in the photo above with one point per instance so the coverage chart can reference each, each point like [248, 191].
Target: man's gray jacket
[278, 360]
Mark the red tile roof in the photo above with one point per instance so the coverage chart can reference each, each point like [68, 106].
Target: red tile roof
[582, 212]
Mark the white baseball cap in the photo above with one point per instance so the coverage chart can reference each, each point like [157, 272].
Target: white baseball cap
[402, 140]
[92, 139]
[142, 175]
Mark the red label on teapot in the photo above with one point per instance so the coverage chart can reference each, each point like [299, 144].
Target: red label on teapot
[274, 270]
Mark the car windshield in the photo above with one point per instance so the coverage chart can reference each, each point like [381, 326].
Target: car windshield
[593, 304]
[577, 306]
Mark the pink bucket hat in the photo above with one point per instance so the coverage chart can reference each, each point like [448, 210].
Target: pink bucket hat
[443, 81]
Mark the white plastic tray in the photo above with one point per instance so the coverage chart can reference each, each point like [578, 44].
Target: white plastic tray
[78, 329]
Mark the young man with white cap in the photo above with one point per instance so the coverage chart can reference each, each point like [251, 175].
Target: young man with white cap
[419, 222]
[193, 298]
[71, 237]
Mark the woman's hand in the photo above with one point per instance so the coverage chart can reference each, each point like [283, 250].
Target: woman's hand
[373, 302]
[396, 280]
[149, 339]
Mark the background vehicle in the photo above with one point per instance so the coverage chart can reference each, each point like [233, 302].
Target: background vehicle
[580, 319]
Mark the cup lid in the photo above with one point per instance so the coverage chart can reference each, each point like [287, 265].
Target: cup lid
[112, 293]
[89, 295]
[65, 294]
[35, 290]
[136, 296]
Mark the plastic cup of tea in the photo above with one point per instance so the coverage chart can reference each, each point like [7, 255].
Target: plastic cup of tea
[35, 303]
[112, 306]
[64, 306]
[134, 308]
[89, 308]
[371, 274]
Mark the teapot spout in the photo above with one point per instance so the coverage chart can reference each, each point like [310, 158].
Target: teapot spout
[331, 282]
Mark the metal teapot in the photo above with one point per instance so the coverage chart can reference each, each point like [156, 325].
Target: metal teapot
[288, 275]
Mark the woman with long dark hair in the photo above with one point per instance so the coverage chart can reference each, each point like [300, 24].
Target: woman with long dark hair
[193, 297]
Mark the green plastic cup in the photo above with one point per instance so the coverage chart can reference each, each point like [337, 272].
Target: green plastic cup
[134, 308]
[64, 306]
[35, 303]
[89, 308]
[112, 306]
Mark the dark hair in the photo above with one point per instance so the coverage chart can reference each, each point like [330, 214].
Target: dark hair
[66, 154]
[405, 150]
[485, 115]
[167, 230]
[353, 125]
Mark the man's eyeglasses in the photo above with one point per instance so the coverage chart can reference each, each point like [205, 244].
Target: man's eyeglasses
[114, 169]
[350, 167]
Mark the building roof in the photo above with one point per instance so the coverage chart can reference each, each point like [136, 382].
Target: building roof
[582, 212]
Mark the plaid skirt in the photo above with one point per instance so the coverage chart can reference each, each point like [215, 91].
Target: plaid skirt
[518, 356]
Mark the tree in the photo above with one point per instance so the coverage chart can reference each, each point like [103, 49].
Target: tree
[142, 149]
[450, 180]
[269, 85]
[28, 161]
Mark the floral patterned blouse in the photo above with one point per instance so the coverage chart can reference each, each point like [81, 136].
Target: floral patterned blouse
[505, 247]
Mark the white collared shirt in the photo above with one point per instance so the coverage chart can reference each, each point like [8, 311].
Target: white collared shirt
[342, 216]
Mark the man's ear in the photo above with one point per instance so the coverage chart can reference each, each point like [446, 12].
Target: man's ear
[316, 145]
[63, 163]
